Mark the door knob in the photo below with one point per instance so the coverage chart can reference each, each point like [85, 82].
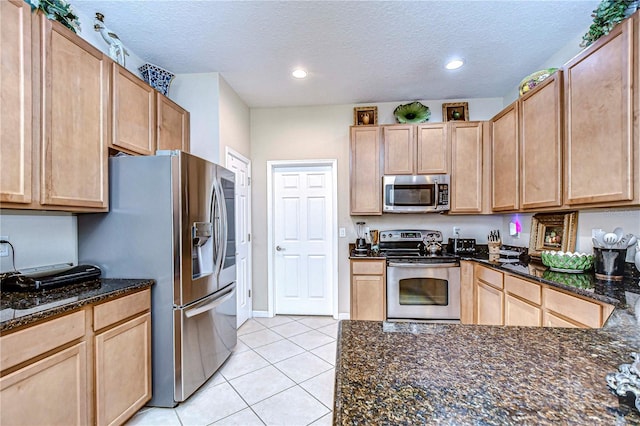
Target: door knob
[278, 248]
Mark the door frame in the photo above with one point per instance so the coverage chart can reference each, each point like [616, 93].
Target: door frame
[272, 166]
[229, 152]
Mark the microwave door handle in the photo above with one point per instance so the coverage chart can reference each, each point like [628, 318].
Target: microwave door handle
[208, 305]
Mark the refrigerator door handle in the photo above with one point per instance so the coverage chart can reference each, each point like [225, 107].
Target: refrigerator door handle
[225, 225]
[208, 305]
[218, 218]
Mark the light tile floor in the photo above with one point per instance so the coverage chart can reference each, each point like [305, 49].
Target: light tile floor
[280, 373]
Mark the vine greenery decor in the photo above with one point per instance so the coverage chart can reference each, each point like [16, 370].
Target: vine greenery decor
[608, 14]
[57, 10]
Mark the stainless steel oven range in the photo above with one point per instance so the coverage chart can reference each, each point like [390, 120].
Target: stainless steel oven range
[423, 282]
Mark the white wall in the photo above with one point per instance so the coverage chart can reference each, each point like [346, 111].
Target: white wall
[628, 220]
[322, 132]
[561, 57]
[87, 17]
[39, 238]
[199, 94]
[235, 130]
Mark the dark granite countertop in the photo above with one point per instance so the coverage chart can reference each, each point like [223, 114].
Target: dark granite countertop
[418, 373]
[22, 308]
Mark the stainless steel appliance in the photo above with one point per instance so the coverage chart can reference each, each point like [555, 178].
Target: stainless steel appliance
[171, 218]
[423, 282]
[415, 194]
[461, 245]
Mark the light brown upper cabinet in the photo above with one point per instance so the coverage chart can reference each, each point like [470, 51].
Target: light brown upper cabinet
[16, 140]
[540, 114]
[411, 149]
[466, 166]
[173, 124]
[364, 171]
[504, 160]
[133, 107]
[57, 157]
[73, 137]
[601, 163]
[399, 150]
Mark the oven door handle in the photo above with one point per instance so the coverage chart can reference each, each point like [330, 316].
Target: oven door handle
[422, 265]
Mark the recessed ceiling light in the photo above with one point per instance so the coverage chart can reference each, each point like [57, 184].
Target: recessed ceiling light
[455, 64]
[299, 73]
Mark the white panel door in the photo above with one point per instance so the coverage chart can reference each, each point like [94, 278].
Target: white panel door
[303, 240]
[242, 168]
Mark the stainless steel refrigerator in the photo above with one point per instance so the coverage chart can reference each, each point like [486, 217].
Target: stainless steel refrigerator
[171, 218]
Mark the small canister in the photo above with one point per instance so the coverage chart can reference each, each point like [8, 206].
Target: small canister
[609, 263]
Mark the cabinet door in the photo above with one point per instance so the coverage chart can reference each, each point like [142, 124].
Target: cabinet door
[599, 121]
[53, 390]
[541, 145]
[173, 124]
[504, 160]
[366, 183]
[489, 304]
[74, 120]
[519, 312]
[466, 292]
[134, 121]
[399, 150]
[433, 149]
[466, 167]
[123, 352]
[16, 139]
[368, 300]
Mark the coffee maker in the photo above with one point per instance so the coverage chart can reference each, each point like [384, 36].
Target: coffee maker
[362, 248]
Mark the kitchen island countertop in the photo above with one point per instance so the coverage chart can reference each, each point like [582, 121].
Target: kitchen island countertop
[22, 308]
[419, 373]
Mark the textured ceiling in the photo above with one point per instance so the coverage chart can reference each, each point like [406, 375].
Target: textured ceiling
[354, 51]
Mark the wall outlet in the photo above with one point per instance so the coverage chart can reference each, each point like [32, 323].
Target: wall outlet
[456, 231]
[4, 248]
[342, 232]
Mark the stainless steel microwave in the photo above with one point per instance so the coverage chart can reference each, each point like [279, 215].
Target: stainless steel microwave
[415, 194]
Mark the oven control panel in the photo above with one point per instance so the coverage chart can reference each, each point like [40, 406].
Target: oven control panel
[410, 235]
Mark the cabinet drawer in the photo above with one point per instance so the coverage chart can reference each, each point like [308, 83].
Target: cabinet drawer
[580, 310]
[38, 339]
[489, 276]
[525, 289]
[113, 311]
[551, 320]
[367, 267]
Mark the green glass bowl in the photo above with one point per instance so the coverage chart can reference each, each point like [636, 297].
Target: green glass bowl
[567, 262]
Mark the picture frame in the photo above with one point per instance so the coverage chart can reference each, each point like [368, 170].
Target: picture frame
[553, 231]
[365, 116]
[455, 111]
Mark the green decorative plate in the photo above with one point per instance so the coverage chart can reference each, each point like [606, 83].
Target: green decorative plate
[532, 80]
[414, 112]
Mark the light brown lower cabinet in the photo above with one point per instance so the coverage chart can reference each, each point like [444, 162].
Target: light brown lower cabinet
[504, 299]
[519, 312]
[66, 371]
[490, 304]
[123, 352]
[51, 391]
[368, 290]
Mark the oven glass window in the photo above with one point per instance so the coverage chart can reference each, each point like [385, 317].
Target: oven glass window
[411, 195]
[424, 291]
